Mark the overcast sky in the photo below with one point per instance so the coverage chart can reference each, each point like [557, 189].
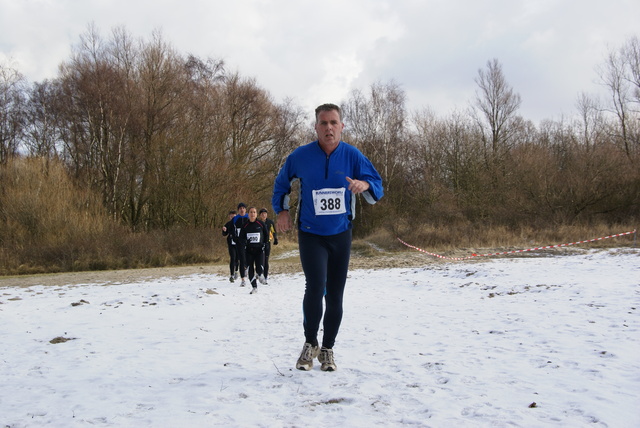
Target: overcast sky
[316, 52]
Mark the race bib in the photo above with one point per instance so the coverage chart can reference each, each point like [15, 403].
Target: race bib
[329, 201]
[253, 238]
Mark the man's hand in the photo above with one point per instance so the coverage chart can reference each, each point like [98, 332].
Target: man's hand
[358, 186]
[283, 222]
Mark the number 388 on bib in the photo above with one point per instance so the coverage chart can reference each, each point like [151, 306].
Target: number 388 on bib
[329, 201]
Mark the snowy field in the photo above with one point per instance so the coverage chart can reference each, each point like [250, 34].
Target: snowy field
[502, 342]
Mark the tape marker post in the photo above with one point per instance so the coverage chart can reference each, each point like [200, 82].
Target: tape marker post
[517, 251]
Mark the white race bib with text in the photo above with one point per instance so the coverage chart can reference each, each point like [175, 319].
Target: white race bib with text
[253, 238]
[329, 201]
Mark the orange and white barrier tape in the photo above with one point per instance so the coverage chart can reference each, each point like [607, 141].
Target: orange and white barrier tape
[517, 251]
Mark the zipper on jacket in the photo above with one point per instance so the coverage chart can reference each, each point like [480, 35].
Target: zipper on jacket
[326, 167]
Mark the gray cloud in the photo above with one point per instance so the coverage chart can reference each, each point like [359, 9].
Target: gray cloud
[318, 52]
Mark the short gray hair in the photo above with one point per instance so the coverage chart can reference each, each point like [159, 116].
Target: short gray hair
[328, 107]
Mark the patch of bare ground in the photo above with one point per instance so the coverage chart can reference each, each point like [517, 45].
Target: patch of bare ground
[283, 263]
[364, 256]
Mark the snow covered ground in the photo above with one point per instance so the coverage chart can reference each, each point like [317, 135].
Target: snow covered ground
[503, 342]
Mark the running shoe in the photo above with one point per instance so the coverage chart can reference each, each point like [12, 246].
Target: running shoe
[326, 359]
[309, 352]
[254, 290]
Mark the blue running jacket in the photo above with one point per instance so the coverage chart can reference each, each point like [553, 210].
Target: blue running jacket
[326, 207]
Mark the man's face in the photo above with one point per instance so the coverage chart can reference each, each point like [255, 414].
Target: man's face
[263, 216]
[242, 210]
[329, 128]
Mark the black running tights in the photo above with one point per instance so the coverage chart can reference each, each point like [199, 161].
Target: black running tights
[325, 262]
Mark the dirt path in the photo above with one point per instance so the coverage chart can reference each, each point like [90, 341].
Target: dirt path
[290, 264]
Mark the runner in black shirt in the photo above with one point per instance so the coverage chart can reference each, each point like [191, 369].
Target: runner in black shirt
[238, 221]
[253, 237]
[229, 231]
[272, 235]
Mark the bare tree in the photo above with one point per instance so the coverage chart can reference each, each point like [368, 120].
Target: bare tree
[246, 106]
[94, 110]
[631, 55]
[42, 124]
[591, 121]
[620, 74]
[12, 111]
[498, 105]
[612, 76]
[444, 163]
[377, 125]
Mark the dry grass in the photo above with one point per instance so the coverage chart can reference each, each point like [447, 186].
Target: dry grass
[49, 225]
[481, 239]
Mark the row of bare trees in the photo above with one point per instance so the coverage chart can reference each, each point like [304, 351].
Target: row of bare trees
[489, 165]
[164, 138]
[167, 139]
